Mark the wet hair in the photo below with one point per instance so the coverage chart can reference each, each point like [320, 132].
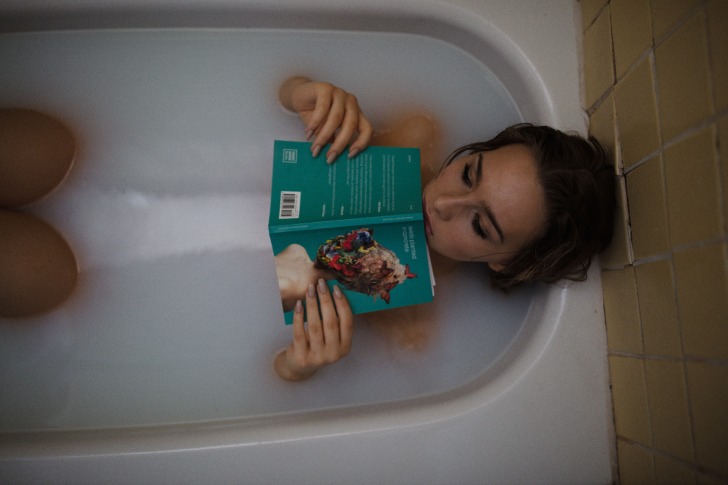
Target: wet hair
[579, 185]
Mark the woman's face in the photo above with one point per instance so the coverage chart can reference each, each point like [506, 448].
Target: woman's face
[485, 207]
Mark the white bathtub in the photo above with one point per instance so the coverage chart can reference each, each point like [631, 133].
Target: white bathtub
[158, 368]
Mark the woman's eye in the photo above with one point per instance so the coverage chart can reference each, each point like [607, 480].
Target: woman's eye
[477, 228]
[465, 175]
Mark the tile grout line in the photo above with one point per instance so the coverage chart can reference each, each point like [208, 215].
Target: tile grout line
[665, 256]
[680, 137]
[671, 358]
[678, 24]
[717, 116]
[692, 466]
[625, 219]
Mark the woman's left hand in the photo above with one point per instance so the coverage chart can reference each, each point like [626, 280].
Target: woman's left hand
[329, 114]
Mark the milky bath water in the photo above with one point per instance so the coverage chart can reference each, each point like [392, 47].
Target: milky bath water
[176, 317]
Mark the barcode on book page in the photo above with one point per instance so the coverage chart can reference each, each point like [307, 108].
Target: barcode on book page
[290, 205]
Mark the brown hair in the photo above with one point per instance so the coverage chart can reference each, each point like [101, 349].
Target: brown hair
[579, 184]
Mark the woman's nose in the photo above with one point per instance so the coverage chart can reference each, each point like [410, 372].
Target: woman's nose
[447, 206]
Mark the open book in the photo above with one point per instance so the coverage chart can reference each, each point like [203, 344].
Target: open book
[359, 221]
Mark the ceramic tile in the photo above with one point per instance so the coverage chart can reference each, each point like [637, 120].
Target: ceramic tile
[667, 13]
[637, 114]
[621, 311]
[647, 209]
[619, 252]
[692, 189]
[702, 296]
[629, 395]
[708, 390]
[631, 32]
[635, 464]
[708, 479]
[722, 129]
[673, 472]
[658, 312]
[668, 403]
[589, 11]
[681, 63]
[718, 41]
[601, 126]
[598, 59]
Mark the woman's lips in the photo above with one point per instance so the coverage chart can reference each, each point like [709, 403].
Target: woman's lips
[426, 217]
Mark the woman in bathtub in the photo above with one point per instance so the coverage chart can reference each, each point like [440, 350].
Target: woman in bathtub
[533, 204]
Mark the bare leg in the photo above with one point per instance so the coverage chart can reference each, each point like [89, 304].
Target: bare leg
[36, 154]
[38, 270]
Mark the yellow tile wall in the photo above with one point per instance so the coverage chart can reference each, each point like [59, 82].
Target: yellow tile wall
[656, 91]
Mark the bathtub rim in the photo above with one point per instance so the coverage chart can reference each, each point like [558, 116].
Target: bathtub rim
[450, 23]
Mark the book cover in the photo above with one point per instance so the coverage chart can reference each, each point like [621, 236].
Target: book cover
[357, 222]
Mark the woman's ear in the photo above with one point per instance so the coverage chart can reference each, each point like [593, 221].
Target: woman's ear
[497, 267]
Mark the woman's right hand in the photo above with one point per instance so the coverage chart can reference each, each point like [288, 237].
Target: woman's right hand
[329, 114]
[324, 340]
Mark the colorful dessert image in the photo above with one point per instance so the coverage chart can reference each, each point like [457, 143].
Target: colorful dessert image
[362, 264]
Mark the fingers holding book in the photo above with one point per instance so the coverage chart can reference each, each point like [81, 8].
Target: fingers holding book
[325, 339]
[330, 115]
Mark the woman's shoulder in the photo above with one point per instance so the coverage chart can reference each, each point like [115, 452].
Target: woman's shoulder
[418, 129]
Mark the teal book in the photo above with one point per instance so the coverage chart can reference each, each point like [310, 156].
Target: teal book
[356, 223]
